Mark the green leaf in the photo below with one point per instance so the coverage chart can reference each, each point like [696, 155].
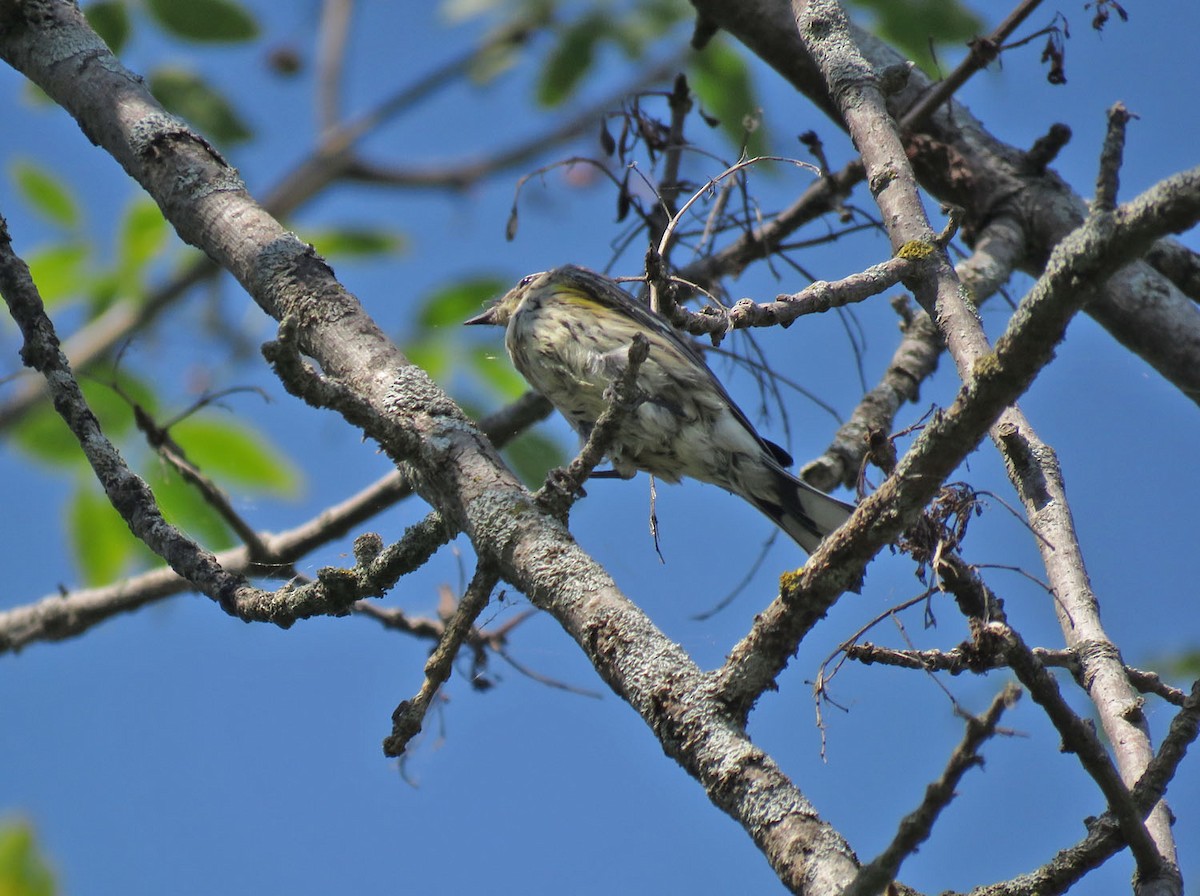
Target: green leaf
[494, 368]
[103, 289]
[100, 539]
[204, 20]
[531, 455]
[660, 15]
[59, 272]
[434, 356]
[570, 60]
[35, 96]
[23, 870]
[913, 25]
[46, 194]
[494, 60]
[44, 437]
[189, 97]
[723, 83]
[451, 305]
[226, 450]
[109, 19]
[351, 242]
[184, 506]
[1182, 666]
[142, 235]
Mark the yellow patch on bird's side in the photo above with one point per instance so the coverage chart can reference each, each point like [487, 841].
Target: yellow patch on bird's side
[576, 297]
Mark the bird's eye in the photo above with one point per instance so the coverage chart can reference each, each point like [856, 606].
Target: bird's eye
[526, 280]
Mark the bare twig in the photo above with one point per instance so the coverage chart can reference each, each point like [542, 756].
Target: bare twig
[1111, 156]
[128, 493]
[563, 486]
[664, 243]
[984, 51]
[680, 102]
[1104, 837]
[60, 616]
[1080, 738]
[968, 658]
[332, 32]
[160, 439]
[815, 298]
[410, 715]
[994, 381]
[874, 876]
[463, 173]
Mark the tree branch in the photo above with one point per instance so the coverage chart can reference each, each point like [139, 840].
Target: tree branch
[60, 616]
[874, 876]
[1084, 261]
[1104, 836]
[1034, 330]
[1080, 738]
[128, 493]
[563, 486]
[410, 715]
[452, 466]
[961, 164]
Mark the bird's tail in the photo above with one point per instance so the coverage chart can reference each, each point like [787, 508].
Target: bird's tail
[800, 510]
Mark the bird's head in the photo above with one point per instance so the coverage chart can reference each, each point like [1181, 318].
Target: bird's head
[500, 312]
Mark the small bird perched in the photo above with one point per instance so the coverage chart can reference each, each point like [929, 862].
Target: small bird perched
[568, 333]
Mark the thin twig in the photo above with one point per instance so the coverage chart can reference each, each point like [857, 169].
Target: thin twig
[128, 493]
[564, 485]
[875, 875]
[410, 715]
[59, 616]
[1111, 156]
[332, 32]
[983, 52]
[1080, 738]
[664, 244]
[816, 298]
[1104, 837]
[968, 658]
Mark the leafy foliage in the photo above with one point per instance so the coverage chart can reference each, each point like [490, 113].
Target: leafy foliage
[531, 454]
[356, 242]
[918, 26]
[103, 545]
[60, 271]
[23, 870]
[44, 437]
[722, 81]
[141, 237]
[190, 97]
[46, 194]
[110, 19]
[218, 21]
[570, 60]
[454, 303]
[231, 451]
[573, 55]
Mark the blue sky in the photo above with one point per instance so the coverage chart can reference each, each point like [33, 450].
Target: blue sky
[176, 750]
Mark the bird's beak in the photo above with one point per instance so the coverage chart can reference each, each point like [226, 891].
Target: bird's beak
[487, 317]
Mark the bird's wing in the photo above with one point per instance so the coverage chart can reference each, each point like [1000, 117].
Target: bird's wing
[612, 296]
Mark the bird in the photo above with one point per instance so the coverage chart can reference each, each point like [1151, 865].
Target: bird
[568, 332]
